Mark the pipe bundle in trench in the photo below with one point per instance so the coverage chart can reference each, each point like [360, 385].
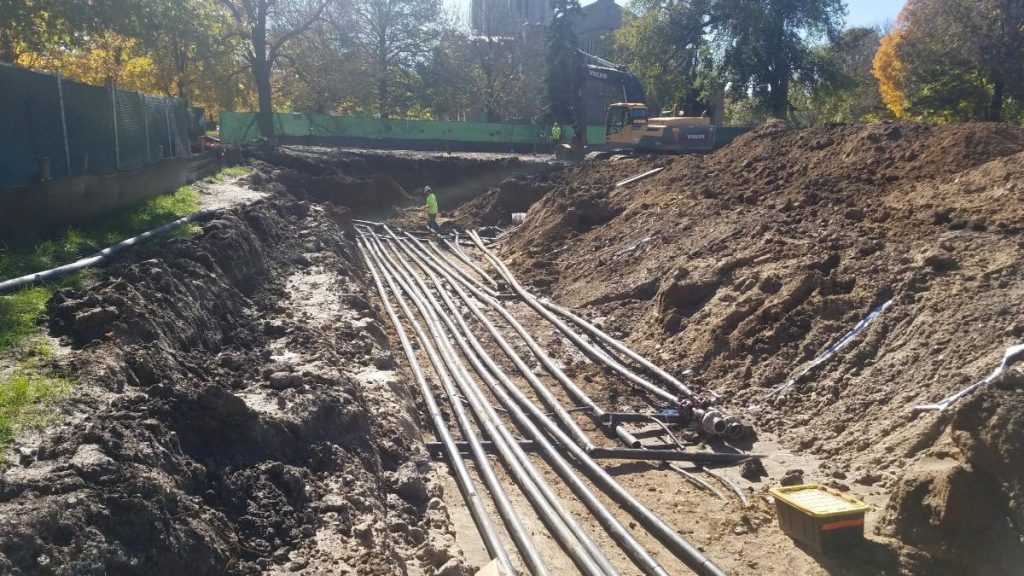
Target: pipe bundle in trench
[440, 305]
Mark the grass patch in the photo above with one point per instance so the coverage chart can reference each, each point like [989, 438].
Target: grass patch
[27, 393]
[229, 172]
[19, 314]
[20, 311]
[75, 242]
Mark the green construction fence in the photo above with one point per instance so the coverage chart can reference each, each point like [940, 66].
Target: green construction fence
[241, 128]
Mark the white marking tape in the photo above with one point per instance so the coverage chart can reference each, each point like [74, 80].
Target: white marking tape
[831, 350]
[1012, 354]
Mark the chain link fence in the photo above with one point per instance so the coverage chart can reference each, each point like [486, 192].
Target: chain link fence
[55, 128]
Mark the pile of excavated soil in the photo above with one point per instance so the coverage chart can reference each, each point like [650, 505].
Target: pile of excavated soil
[496, 206]
[746, 264]
[236, 412]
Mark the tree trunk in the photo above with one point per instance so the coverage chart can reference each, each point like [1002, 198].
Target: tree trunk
[382, 81]
[995, 112]
[780, 92]
[180, 65]
[261, 75]
[382, 94]
[265, 116]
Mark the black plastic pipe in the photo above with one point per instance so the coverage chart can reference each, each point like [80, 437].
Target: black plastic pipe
[99, 257]
[579, 397]
[477, 509]
[528, 416]
[441, 364]
[575, 542]
[531, 301]
[497, 381]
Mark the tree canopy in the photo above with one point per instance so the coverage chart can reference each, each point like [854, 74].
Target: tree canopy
[943, 60]
[954, 60]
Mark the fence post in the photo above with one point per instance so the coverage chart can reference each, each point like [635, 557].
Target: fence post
[145, 124]
[63, 123]
[170, 138]
[113, 109]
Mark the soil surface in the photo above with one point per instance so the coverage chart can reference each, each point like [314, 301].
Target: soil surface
[237, 412]
[242, 406]
[746, 264]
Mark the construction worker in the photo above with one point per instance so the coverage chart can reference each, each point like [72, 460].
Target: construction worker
[556, 136]
[431, 207]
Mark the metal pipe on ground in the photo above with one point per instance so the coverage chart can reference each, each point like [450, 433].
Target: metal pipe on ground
[507, 512]
[574, 540]
[497, 381]
[528, 416]
[574, 391]
[474, 502]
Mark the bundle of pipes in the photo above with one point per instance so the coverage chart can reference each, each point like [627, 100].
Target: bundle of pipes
[692, 406]
[394, 263]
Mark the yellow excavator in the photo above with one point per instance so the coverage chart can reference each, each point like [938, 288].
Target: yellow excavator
[627, 123]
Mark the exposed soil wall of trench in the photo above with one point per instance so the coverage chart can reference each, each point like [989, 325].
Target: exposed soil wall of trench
[236, 413]
[746, 264]
[374, 183]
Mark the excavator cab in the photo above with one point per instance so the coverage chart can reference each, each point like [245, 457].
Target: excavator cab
[624, 117]
[628, 124]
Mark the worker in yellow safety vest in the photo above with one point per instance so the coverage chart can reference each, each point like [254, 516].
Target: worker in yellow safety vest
[556, 136]
[431, 207]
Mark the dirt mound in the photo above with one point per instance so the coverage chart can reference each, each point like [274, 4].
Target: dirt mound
[963, 501]
[496, 206]
[236, 413]
[747, 264]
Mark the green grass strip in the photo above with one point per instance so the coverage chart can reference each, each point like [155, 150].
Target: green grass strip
[28, 393]
[21, 311]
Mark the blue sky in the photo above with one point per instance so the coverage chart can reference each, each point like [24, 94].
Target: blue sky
[859, 12]
[871, 12]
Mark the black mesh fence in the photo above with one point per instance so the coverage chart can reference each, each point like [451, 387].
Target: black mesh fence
[56, 128]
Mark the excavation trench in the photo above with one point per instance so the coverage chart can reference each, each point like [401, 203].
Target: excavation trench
[246, 403]
[239, 408]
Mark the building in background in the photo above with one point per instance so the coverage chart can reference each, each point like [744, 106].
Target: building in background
[522, 18]
[509, 17]
[595, 28]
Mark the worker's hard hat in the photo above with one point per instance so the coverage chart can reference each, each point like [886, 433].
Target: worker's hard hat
[426, 189]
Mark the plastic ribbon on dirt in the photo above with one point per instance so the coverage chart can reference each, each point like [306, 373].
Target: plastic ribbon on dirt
[831, 350]
[1012, 354]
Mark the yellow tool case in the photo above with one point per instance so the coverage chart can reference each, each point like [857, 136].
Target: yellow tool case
[820, 517]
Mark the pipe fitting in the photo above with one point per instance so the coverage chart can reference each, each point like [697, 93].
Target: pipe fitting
[713, 422]
[734, 428]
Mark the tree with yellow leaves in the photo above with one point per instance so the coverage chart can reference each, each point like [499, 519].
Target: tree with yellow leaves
[952, 60]
[888, 70]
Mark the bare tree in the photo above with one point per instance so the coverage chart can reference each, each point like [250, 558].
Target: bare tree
[267, 26]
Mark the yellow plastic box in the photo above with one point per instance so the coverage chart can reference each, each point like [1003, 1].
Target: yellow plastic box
[820, 517]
